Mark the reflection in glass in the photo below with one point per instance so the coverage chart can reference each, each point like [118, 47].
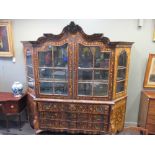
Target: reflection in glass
[45, 73]
[46, 87]
[101, 59]
[122, 60]
[152, 72]
[45, 59]
[60, 74]
[85, 75]
[92, 57]
[30, 71]
[60, 56]
[121, 74]
[85, 56]
[100, 89]
[120, 86]
[30, 83]
[61, 88]
[28, 57]
[101, 74]
[85, 89]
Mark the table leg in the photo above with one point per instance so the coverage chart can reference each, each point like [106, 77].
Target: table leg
[26, 114]
[19, 116]
[7, 123]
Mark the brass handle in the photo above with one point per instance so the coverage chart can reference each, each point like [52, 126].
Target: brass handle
[12, 106]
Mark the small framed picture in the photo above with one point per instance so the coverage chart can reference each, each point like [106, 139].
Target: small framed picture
[149, 80]
[6, 40]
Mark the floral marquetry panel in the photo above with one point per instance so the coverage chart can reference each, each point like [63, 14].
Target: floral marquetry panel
[118, 116]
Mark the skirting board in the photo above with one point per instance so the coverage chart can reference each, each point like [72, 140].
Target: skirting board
[130, 124]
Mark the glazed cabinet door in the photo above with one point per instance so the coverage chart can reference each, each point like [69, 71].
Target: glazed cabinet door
[54, 71]
[121, 68]
[92, 71]
[28, 52]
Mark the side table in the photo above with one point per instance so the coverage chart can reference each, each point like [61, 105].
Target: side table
[10, 105]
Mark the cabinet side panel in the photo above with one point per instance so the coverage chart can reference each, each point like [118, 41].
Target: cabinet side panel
[143, 110]
[32, 112]
[117, 117]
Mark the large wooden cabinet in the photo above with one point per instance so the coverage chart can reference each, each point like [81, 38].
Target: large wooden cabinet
[77, 82]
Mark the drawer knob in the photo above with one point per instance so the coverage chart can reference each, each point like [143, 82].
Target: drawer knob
[12, 106]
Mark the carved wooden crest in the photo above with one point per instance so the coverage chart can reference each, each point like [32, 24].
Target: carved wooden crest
[72, 28]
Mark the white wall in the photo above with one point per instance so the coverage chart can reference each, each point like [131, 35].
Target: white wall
[116, 30]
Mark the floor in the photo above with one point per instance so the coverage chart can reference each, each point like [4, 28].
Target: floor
[13, 129]
[27, 130]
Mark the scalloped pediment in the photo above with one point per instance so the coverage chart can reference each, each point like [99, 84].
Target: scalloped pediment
[72, 28]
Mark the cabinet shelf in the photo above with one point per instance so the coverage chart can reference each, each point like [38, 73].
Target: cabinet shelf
[121, 67]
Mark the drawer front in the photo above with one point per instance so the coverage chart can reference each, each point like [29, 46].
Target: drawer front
[44, 124]
[10, 108]
[98, 109]
[151, 119]
[151, 128]
[79, 108]
[52, 115]
[51, 106]
[73, 108]
[152, 108]
[1, 108]
[97, 126]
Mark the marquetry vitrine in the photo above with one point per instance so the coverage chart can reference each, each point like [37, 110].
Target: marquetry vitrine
[76, 82]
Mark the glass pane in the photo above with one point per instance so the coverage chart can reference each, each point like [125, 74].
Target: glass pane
[85, 89]
[101, 59]
[45, 73]
[45, 59]
[85, 56]
[101, 75]
[85, 75]
[121, 74]
[122, 60]
[46, 87]
[60, 74]
[30, 71]
[28, 57]
[100, 89]
[61, 88]
[30, 83]
[60, 56]
[120, 86]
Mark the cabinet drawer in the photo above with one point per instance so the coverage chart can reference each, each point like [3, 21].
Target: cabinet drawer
[81, 108]
[51, 115]
[50, 106]
[151, 108]
[151, 128]
[10, 108]
[98, 109]
[151, 119]
[1, 107]
[46, 124]
[95, 126]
